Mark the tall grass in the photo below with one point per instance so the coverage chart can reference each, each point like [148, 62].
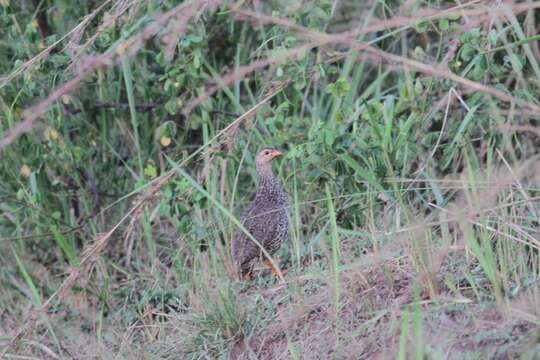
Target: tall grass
[411, 166]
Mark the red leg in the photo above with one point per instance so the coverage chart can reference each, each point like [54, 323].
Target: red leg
[275, 272]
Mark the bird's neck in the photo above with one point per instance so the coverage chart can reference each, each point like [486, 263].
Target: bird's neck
[267, 181]
[264, 171]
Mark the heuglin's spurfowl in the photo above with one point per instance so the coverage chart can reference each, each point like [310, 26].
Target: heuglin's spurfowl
[266, 218]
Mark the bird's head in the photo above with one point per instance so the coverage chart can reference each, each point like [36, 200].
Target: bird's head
[266, 155]
[264, 158]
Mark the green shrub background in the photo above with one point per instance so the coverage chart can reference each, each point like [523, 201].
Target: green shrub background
[411, 166]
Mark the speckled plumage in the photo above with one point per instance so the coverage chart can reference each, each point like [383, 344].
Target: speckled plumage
[266, 218]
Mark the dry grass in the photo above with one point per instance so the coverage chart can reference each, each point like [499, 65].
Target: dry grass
[443, 265]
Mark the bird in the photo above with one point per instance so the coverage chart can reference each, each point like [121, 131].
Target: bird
[266, 218]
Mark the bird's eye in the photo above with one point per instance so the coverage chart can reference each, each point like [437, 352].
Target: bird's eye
[266, 152]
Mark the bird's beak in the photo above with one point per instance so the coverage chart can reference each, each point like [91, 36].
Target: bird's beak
[276, 153]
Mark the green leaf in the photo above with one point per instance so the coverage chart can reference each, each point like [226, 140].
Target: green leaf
[67, 246]
[150, 171]
[444, 24]
[480, 67]
[404, 131]
[339, 89]
[300, 83]
[388, 113]
[171, 106]
[20, 194]
[329, 137]
[467, 52]
[360, 171]
[421, 26]
[28, 279]
[194, 38]
[457, 136]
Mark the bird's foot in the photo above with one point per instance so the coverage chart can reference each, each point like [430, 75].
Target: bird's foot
[247, 276]
[275, 271]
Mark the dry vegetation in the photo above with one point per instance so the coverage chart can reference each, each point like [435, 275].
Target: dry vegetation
[127, 135]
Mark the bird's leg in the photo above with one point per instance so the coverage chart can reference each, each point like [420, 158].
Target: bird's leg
[273, 269]
[247, 276]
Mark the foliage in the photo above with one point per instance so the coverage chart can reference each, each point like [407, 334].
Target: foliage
[394, 173]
